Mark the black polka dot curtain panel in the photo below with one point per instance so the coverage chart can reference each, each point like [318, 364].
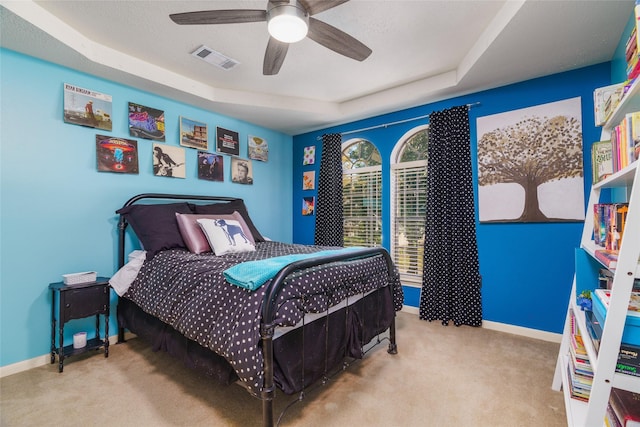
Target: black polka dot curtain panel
[329, 214]
[451, 276]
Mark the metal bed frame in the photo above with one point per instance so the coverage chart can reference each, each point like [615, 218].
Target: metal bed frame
[267, 326]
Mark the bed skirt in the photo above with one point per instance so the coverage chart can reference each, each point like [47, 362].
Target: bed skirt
[324, 343]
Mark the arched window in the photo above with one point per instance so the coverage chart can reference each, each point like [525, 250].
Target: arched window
[362, 193]
[408, 198]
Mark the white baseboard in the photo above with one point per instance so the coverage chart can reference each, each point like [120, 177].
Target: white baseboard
[504, 327]
[45, 359]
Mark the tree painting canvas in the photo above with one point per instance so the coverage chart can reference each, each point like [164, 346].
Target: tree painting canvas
[530, 166]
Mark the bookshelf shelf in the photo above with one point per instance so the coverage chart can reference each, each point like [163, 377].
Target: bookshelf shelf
[628, 104]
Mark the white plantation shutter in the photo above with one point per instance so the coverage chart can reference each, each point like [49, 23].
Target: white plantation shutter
[362, 204]
[409, 186]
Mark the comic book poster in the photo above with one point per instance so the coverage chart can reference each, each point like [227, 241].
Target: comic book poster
[145, 122]
[168, 160]
[227, 142]
[210, 166]
[116, 154]
[193, 134]
[258, 148]
[86, 107]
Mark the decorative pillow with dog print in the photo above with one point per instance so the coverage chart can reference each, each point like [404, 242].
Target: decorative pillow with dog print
[193, 235]
[225, 236]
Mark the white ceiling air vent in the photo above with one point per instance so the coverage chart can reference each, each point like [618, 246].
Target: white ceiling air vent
[215, 58]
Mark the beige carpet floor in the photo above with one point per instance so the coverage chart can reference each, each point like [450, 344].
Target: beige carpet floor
[441, 376]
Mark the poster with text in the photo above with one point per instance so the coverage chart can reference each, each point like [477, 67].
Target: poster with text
[193, 134]
[86, 107]
[145, 122]
[227, 142]
[116, 154]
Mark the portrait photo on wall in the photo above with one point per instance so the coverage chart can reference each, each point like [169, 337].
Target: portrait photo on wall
[530, 164]
[308, 205]
[145, 122]
[193, 134]
[116, 154]
[227, 142]
[86, 107]
[241, 171]
[210, 166]
[258, 148]
[168, 161]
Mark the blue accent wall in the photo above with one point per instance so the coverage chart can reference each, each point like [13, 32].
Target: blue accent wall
[58, 212]
[527, 269]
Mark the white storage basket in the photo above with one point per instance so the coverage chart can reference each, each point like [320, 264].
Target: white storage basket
[79, 278]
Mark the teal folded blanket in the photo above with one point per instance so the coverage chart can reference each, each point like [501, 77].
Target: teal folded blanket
[252, 274]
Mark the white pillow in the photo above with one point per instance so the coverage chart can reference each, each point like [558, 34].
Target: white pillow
[225, 236]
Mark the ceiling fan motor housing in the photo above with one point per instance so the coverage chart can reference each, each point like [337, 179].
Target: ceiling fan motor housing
[288, 22]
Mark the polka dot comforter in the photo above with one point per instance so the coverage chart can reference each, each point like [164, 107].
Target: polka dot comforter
[188, 291]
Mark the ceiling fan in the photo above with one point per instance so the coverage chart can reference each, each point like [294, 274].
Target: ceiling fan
[295, 20]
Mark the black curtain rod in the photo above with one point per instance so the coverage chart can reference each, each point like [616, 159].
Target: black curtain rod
[319, 138]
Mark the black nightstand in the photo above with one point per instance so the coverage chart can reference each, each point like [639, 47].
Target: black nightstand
[76, 302]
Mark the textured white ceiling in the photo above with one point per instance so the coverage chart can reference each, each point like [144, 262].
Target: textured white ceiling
[423, 51]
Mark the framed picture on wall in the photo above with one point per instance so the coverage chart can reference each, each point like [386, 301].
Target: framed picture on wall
[118, 155]
[308, 205]
[309, 180]
[169, 161]
[87, 107]
[258, 148]
[210, 166]
[146, 122]
[241, 171]
[193, 134]
[309, 155]
[530, 164]
[227, 142]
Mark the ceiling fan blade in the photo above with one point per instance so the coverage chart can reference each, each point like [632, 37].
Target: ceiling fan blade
[234, 16]
[316, 6]
[274, 57]
[337, 40]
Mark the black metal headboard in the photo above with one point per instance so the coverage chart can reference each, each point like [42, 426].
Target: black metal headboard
[122, 222]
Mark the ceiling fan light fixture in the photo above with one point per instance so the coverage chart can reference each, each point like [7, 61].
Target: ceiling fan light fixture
[288, 23]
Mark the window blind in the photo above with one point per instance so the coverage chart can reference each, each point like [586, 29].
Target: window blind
[409, 182]
[362, 206]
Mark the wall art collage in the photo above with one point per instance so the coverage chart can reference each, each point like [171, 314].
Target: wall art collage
[117, 154]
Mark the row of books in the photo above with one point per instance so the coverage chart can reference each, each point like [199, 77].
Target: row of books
[579, 367]
[625, 141]
[623, 409]
[606, 99]
[609, 221]
[631, 54]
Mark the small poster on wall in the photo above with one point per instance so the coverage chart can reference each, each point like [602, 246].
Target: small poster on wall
[193, 134]
[145, 122]
[241, 171]
[210, 166]
[116, 154]
[309, 155]
[168, 161]
[258, 148]
[309, 180]
[308, 205]
[227, 142]
[86, 107]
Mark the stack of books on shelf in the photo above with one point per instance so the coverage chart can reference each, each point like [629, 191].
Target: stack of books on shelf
[623, 409]
[579, 367]
[629, 353]
[606, 99]
[631, 54]
[625, 141]
[609, 221]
